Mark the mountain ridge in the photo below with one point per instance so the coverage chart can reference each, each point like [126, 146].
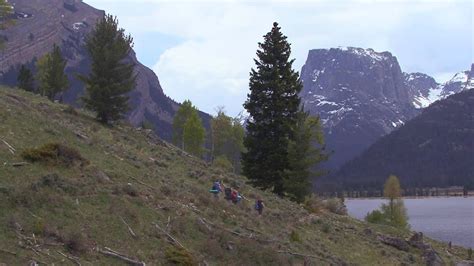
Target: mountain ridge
[67, 23]
[362, 95]
[435, 149]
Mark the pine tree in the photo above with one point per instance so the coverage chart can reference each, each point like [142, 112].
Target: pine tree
[112, 75]
[273, 105]
[25, 79]
[51, 74]
[194, 135]
[306, 151]
[182, 115]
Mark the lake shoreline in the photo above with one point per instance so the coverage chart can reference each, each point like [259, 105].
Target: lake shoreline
[447, 219]
[412, 197]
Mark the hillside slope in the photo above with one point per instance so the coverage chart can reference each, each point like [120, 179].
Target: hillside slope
[56, 22]
[125, 180]
[435, 149]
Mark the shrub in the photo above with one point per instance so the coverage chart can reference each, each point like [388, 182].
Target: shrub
[70, 110]
[375, 217]
[223, 163]
[130, 190]
[326, 228]
[53, 181]
[313, 204]
[179, 256]
[53, 153]
[295, 237]
[76, 243]
[336, 206]
[39, 227]
[394, 216]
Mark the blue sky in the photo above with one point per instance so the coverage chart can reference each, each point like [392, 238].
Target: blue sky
[203, 50]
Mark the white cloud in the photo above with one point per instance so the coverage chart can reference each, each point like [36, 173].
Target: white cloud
[210, 65]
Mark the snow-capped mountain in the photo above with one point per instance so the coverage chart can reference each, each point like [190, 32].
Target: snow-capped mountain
[360, 96]
[425, 90]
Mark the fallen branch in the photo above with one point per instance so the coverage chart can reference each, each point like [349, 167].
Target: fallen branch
[298, 254]
[115, 254]
[8, 252]
[145, 184]
[129, 228]
[73, 259]
[19, 164]
[10, 147]
[170, 236]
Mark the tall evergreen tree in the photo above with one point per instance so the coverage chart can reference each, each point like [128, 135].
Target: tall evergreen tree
[51, 74]
[112, 75]
[25, 79]
[306, 151]
[273, 105]
[194, 135]
[182, 115]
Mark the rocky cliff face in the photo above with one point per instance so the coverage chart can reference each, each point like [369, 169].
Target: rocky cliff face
[66, 23]
[360, 95]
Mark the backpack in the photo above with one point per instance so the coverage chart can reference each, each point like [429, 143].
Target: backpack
[258, 205]
[216, 186]
[228, 193]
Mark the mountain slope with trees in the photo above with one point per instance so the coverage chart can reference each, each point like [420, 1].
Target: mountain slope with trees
[67, 24]
[435, 149]
[73, 190]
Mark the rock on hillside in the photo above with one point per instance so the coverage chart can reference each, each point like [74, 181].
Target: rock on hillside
[435, 149]
[66, 23]
[360, 95]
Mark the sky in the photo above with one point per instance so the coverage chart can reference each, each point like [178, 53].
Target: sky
[204, 50]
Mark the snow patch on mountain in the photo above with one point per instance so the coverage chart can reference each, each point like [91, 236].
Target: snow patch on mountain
[361, 52]
[421, 101]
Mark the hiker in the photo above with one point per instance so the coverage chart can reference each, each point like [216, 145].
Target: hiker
[235, 196]
[216, 188]
[259, 206]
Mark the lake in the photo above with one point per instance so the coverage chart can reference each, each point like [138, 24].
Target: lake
[445, 219]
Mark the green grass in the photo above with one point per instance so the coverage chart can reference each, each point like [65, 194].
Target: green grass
[131, 178]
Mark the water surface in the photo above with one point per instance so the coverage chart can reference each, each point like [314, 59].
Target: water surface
[445, 219]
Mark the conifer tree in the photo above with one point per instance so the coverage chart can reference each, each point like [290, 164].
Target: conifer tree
[112, 75]
[182, 115]
[25, 79]
[194, 135]
[306, 151]
[51, 74]
[273, 105]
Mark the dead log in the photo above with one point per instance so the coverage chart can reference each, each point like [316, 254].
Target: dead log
[129, 228]
[71, 258]
[10, 147]
[170, 237]
[8, 252]
[143, 183]
[20, 164]
[299, 255]
[115, 254]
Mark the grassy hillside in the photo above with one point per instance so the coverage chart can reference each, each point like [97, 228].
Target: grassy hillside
[123, 189]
